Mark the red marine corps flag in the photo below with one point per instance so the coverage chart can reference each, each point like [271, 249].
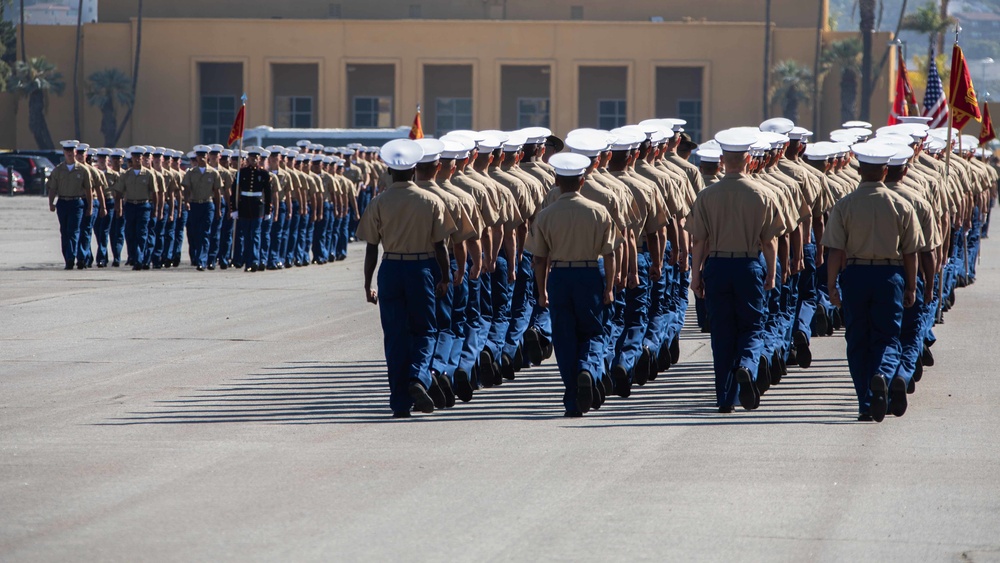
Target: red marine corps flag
[964, 105]
[236, 133]
[987, 134]
[906, 101]
[416, 130]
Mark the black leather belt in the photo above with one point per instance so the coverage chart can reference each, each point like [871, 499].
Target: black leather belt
[733, 254]
[579, 264]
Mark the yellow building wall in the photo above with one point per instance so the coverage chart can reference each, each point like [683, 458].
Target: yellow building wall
[731, 56]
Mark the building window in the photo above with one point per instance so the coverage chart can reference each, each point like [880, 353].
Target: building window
[217, 116]
[576, 12]
[373, 111]
[414, 10]
[451, 114]
[293, 111]
[334, 11]
[532, 112]
[610, 114]
[690, 111]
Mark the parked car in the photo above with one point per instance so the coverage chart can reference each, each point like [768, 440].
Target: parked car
[10, 177]
[34, 169]
[53, 156]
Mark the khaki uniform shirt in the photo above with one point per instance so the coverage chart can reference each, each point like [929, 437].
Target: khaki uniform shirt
[405, 219]
[464, 229]
[600, 195]
[734, 215]
[523, 197]
[650, 218]
[481, 195]
[505, 200]
[136, 185]
[676, 205]
[873, 223]
[928, 223]
[70, 183]
[572, 229]
[110, 177]
[201, 186]
[469, 203]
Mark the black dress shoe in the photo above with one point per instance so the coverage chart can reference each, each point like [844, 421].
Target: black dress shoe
[880, 397]
[643, 364]
[136, 268]
[177, 262]
[584, 391]
[911, 387]
[102, 264]
[820, 322]
[81, 266]
[497, 375]
[763, 381]
[864, 417]
[421, 400]
[546, 348]
[622, 385]
[507, 367]
[200, 268]
[838, 320]
[463, 385]
[726, 409]
[449, 394]
[145, 266]
[918, 371]
[749, 396]
[663, 358]
[400, 414]
[793, 357]
[485, 369]
[533, 346]
[803, 355]
[598, 396]
[518, 359]
[211, 266]
[436, 393]
[897, 396]
[68, 267]
[608, 386]
[157, 266]
[272, 267]
[927, 357]
[116, 264]
[573, 414]
[223, 266]
[675, 350]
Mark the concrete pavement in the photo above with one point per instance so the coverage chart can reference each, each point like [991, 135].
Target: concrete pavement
[176, 415]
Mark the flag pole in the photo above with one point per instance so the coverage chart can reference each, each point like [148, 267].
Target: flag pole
[239, 159]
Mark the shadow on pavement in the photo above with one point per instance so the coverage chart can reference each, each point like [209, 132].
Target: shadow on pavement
[357, 392]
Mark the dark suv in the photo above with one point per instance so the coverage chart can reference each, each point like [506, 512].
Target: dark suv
[35, 170]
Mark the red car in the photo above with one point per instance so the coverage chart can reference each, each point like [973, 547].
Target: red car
[7, 175]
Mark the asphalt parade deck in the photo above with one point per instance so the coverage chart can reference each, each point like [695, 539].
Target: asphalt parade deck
[177, 415]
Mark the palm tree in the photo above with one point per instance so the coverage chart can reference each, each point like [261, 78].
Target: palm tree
[845, 54]
[135, 73]
[76, 70]
[107, 89]
[36, 80]
[927, 19]
[792, 86]
[866, 12]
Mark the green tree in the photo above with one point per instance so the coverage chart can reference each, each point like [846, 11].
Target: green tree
[791, 86]
[927, 20]
[845, 54]
[8, 45]
[36, 80]
[107, 90]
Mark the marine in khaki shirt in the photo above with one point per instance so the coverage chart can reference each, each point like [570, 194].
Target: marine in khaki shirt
[734, 215]
[873, 223]
[405, 219]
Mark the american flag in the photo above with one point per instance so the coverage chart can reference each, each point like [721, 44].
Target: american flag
[935, 102]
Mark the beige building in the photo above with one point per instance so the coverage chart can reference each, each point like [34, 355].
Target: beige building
[563, 64]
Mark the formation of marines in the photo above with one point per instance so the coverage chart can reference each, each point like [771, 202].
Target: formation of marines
[262, 208]
[500, 249]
